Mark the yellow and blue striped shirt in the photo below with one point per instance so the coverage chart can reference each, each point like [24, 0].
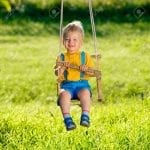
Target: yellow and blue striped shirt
[75, 58]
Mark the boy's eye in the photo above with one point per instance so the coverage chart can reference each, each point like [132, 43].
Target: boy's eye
[67, 40]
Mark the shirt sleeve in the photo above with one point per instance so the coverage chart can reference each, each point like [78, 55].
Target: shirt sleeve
[89, 61]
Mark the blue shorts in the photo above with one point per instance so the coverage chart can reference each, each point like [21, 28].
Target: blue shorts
[73, 87]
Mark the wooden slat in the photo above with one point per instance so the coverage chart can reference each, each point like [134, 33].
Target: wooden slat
[95, 72]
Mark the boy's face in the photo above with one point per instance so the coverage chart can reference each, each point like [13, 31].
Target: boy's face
[73, 41]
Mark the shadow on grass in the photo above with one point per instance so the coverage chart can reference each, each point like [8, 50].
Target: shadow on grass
[35, 21]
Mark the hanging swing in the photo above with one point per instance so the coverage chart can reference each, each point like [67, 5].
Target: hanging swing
[95, 71]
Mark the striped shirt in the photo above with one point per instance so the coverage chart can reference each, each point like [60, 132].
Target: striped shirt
[75, 58]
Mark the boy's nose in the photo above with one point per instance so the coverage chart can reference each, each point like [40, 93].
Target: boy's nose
[70, 41]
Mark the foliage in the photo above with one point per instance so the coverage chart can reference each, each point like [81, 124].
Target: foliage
[5, 4]
[100, 5]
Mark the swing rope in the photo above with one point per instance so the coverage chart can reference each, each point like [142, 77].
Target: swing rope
[93, 26]
[61, 26]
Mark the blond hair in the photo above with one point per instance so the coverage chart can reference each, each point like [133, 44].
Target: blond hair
[73, 26]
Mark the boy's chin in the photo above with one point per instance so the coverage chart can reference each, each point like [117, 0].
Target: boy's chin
[72, 51]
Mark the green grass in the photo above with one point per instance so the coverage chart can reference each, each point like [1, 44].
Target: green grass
[29, 117]
[38, 126]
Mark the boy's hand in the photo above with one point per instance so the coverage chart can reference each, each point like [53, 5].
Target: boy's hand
[66, 64]
[83, 68]
[59, 70]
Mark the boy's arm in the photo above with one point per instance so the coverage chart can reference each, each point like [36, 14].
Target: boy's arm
[89, 64]
[89, 61]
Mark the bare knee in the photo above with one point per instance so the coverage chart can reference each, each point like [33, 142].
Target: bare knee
[84, 93]
[64, 96]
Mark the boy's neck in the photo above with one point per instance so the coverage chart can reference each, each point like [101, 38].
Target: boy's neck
[74, 52]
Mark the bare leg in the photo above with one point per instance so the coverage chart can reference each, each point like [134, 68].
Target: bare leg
[84, 96]
[64, 101]
[85, 100]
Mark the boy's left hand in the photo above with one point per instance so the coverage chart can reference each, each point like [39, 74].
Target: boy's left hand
[83, 68]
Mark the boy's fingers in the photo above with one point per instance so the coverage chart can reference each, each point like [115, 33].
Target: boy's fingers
[83, 67]
[66, 64]
[57, 68]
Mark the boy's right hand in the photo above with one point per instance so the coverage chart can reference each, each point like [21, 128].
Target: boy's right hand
[66, 64]
[59, 70]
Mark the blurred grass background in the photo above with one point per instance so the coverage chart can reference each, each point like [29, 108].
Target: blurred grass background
[29, 36]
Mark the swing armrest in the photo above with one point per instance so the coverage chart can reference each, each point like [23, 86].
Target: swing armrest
[96, 56]
[90, 71]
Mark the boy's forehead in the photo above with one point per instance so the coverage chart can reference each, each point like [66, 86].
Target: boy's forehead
[74, 33]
